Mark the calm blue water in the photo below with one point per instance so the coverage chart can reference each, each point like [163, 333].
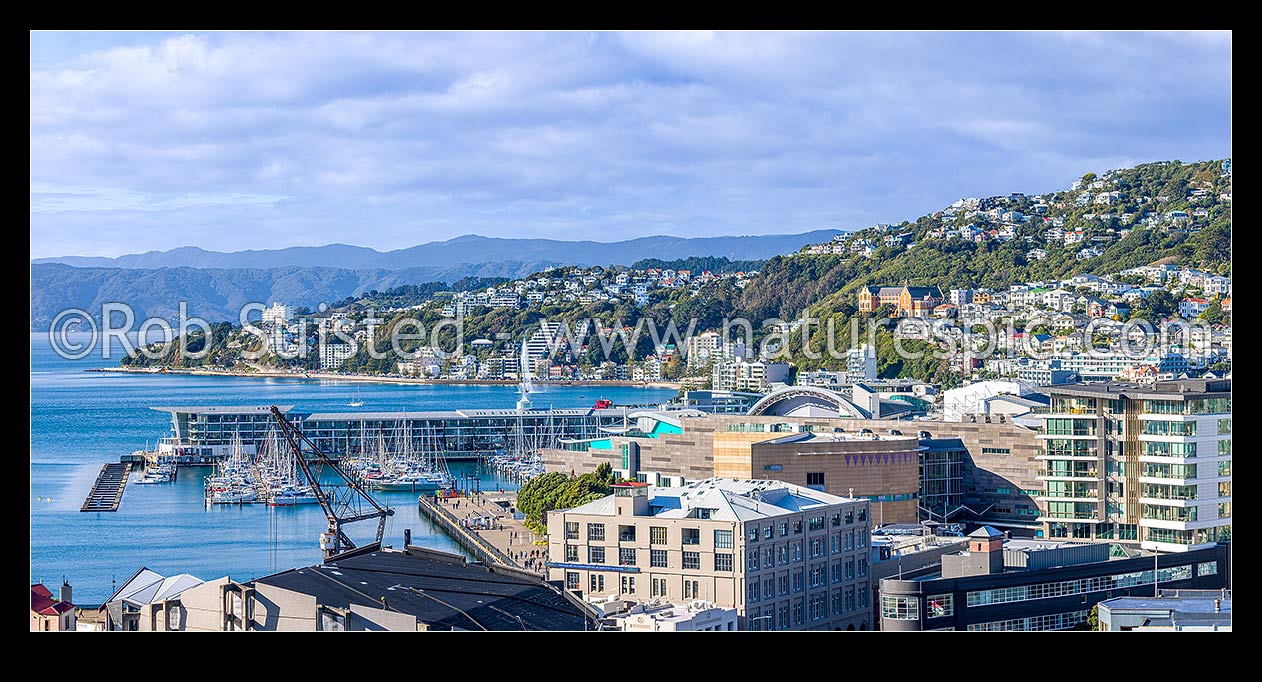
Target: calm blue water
[81, 420]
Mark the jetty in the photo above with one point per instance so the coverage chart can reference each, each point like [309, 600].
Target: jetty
[497, 538]
[107, 491]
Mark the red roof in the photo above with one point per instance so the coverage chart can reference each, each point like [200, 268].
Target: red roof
[42, 601]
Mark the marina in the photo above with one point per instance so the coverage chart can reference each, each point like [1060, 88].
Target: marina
[168, 526]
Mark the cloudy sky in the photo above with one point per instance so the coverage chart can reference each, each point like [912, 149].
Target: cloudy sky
[229, 141]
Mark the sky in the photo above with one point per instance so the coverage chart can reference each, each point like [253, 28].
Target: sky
[227, 141]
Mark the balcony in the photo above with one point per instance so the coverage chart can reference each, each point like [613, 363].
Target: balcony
[1091, 474]
[1075, 516]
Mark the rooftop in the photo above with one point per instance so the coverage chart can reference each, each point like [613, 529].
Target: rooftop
[727, 499]
[441, 591]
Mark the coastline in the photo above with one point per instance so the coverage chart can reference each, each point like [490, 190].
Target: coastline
[372, 379]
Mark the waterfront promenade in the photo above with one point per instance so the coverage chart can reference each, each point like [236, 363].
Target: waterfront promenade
[484, 523]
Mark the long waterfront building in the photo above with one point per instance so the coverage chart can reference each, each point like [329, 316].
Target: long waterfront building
[205, 433]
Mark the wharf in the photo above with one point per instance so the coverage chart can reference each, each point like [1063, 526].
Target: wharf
[505, 540]
[107, 491]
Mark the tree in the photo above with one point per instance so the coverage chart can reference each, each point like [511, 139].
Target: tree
[1093, 620]
[1214, 313]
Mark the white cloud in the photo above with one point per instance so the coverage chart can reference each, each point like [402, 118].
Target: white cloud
[395, 138]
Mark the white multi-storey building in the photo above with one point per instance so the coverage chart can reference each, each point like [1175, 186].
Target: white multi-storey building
[1147, 464]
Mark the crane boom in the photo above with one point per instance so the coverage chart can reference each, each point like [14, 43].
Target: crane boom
[341, 506]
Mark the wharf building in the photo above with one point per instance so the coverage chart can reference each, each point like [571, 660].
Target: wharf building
[1021, 584]
[785, 557]
[203, 434]
[1170, 611]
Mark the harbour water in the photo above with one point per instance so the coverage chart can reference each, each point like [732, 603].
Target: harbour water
[81, 420]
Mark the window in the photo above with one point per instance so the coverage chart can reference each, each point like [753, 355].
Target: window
[815, 523]
[704, 512]
[752, 535]
[332, 620]
[1210, 568]
[1056, 621]
[836, 520]
[797, 551]
[657, 535]
[628, 584]
[782, 555]
[818, 574]
[797, 581]
[863, 514]
[797, 612]
[1169, 428]
[571, 530]
[692, 560]
[849, 541]
[769, 587]
[784, 529]
[782, 584]
[692, 589]
[571, 580]
[657, 558]
[817, 547]
[769, 557]
[595, 554]
[817, 607]
[767, 533]
[900, 608]
[850, 599]
[850, 569]
[626, 556]
[571, 552]
[836, 602]
[691, 536]
[626, 533]
[722, 539]
[849, 516]
[834, 544]
[657, 587]
[797, 527]
[751, 592]
[752, 561]
[996, 451]
[815, 478]
[597, 582]
[1224, 426]
[837, 571]
[595, 531]
[173, 614]
[863, 567]
[723, 562]
[939, 605]
[783, 617]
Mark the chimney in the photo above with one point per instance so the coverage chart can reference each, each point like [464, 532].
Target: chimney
[66, 592]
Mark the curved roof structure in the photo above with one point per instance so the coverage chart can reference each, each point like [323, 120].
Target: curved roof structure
[807, 401]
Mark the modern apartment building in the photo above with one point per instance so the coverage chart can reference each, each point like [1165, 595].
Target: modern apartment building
[1133, 463]
[784, 556]
[1001, 584]
[739, 375]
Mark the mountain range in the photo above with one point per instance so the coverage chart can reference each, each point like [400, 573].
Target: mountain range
[216, 284]
[471, 249]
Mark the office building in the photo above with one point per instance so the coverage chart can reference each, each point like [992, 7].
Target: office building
[784, 556]
[1002, 584]
[695, 616]
[1170, 610]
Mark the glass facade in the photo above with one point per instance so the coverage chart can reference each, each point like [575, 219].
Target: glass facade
[900, 608]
